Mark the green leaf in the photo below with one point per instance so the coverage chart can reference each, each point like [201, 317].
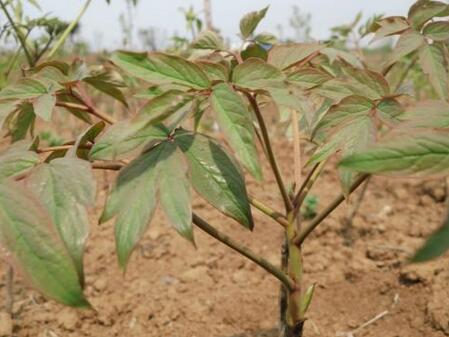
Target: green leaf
[334, 54]
[436, 245]
[66, 187]
[208, 39]
[307, 78]
[423, 11]
[265, 38]
[6, 108]
[235, 120]
[103, 82]
[88, 136]
[349, 108]
[214, 71]
[418, 153]
[254, 50]
[161, 107]
[286, 56]
[124, 137]
[133, 198]
[250, 21]
[174, 194]
[365, 82]
[14, 162]
[161, 68]
[390, 26]
[44, 105]
[407, 43]
[255, 74]
[33, 245]
[432, 61]
[22, 122]
[24, 89]
[437, 31]
[427, 114]
[215, 176]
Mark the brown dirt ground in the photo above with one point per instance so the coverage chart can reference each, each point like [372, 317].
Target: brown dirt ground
[171, 289]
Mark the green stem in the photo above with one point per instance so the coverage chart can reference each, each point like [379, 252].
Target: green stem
[223, 238]
[69, 29]
[275, 215]
[19, 34]
[270, 153]
[299, 239]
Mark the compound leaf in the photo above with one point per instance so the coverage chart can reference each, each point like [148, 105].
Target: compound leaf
[235, 121]
[215, 176]
[33, 245]
[162, 68]
[66, 187]
[421, 153]
[255, 74]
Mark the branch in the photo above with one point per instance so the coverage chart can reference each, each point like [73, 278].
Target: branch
[269, 149]
[69, 29]
[273, 270]
[275, 215]
[88, 109]
[299, 239]
[18, 33]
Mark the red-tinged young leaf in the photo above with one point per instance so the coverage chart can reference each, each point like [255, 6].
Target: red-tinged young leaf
[34, 247]
[435, 246]
[437, 31]
[433, 63]
[417, 154]
[255, 74]
[235, 120]
[67, 187]
[390, 26]
[15, 161]
[24, 89]
[216, 176]
[423, 11]
[44, 105]
[159, 68]
[124, 137]
[250, 21]
[407, 43]
[208, 39]
[286, 56]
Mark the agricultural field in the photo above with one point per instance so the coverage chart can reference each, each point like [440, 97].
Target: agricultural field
[286, 187]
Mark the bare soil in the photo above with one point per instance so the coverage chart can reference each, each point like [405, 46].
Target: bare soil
[172, 289]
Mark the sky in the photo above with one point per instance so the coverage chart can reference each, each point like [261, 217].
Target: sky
[101, 27]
